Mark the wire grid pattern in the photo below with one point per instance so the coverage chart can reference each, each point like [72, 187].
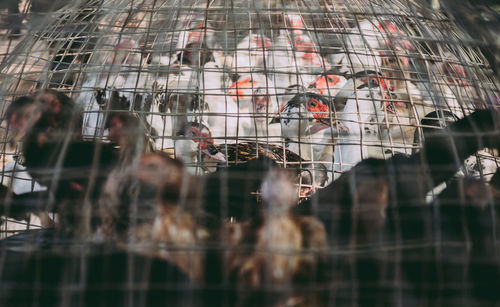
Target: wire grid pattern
[95, 49]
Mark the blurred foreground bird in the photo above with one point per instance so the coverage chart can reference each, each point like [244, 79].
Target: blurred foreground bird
[57, 157]
[277, 247]
[380, 188]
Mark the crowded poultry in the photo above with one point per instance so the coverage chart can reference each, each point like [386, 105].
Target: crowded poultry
[322, 159]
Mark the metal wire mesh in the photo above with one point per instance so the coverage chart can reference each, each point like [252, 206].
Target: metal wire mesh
[317, 86]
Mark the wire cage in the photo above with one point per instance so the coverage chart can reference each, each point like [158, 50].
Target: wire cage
[246, 152]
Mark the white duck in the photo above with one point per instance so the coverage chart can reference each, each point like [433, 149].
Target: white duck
[250, 53]
[193, 143]
[368, 44]
[295, 58]
[98, 86]
[363, 116]
[305, 120]
[252, 94]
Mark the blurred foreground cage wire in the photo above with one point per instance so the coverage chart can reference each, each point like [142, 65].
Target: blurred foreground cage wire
[316, 86]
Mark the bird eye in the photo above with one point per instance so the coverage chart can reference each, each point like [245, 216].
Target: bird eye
[330, 79]
[312, 103]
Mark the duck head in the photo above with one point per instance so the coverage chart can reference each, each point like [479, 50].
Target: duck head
[305, 114]
[194, 138]
[328, 84]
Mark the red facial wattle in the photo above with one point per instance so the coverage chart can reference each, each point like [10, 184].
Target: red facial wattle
[323, 83]
[237, 89]
[196, 35]
[395, 35]
[204, 138]
[456, 73]
[262, 42]
[319, 109]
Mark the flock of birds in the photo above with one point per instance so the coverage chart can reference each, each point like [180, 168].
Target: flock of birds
[260, 230]
[200, 94]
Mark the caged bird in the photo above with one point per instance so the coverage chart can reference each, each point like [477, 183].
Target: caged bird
[129, 205]
[383, 186]
[278, 247]
[195, 146]
[250, 53]
[295, 59]
[381, 201]
[221, 110]
[194, 45]
[98, 88]
[193, 143]
[363, 114]
[56, 156]
[460, 224]
[305, 120]
[20, 115]
[328, 83]
[179, 222]
[479, 165]
[373, 44]
[257, 104]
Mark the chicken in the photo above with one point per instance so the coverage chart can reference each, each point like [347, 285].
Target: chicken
[294, 60]
[285, 249]
[57, 157]
[176, 225]
[20, 116]
[130, 134]
[392, 187]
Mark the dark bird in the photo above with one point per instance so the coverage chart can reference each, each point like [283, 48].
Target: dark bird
[378, 187]
[456, 245]
[195, 141]
[381, 202]
[430, 122]
[57, 157]
[129, 198]
[20, 115]
[195, 54]
[479, 20]
[278, 247]
[99, 276]
[231, 192]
